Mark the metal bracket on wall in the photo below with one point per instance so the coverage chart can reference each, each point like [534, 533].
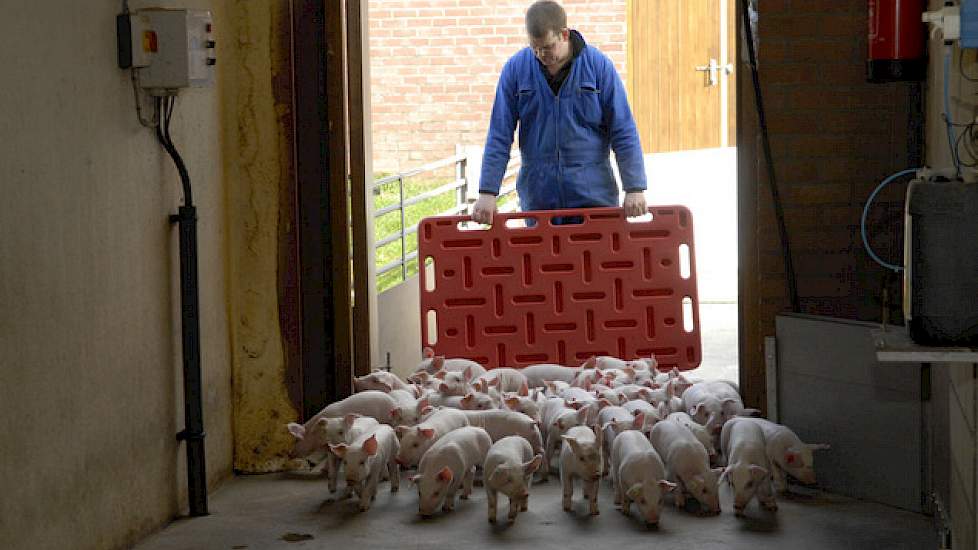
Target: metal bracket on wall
[925, 383]
[771, 376]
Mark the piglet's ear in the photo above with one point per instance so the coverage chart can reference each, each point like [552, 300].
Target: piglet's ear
[791, 458]
[639, 421]
[427, 433]
[440, 375]
[370, 445]
[339, 450]
[445, 475]
[298, 431]
[427, 353]
[524, 390]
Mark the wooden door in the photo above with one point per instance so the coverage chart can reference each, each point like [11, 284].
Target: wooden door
[678, 68]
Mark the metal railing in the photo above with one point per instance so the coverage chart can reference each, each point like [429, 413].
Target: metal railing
[461, 187]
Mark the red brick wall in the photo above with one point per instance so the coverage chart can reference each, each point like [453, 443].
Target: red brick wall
[834, 138]
[434, 67]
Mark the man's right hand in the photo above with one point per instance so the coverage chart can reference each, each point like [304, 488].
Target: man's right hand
[484, 209]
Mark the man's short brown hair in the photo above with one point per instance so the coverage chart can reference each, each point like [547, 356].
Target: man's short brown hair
[545, 16]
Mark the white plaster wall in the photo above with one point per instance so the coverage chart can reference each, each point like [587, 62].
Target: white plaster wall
[90, 364]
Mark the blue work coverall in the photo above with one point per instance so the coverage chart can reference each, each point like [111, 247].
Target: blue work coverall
[564, 138]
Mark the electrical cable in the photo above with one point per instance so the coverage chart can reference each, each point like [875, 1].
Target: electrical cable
[862, 220]
[165, 105]
[789, 268]
[968, 143]
[153, 122]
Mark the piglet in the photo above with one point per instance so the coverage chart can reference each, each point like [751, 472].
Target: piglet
[454, 383]
[477, 401]
[342, 430]
[375, 404]
[449, 464]
[587, 376]
[713, 403]
[638, 475]
[748, 471]
[410, 410]
[415, 440]
[505, 379]
[787, 453]
[556, 418]
[432, 364]
[580, 457]
[538, 375]
[365, 461]
[509, 470]
[500, 423]
[528, 405]
[554, 388]
[699, 432]
[380, 380]
[688, 464]
[613, 421]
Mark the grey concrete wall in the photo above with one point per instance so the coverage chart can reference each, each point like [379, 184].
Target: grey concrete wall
[90, 364]
[833, 390]
[399, 325]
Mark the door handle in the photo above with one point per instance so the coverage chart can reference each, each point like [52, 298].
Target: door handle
[712, 71]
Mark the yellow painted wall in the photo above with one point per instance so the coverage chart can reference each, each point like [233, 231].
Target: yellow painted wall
[257, 168]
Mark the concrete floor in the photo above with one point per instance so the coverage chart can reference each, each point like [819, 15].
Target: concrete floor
[286, 511]
[258, 512]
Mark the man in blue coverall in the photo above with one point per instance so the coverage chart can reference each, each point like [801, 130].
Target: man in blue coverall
[571, 107]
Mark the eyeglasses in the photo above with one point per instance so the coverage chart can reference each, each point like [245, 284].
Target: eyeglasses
[546, 48]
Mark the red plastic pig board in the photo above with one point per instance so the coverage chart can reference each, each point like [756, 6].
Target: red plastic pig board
[511, 296]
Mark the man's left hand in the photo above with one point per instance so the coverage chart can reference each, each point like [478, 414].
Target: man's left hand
[635, 204]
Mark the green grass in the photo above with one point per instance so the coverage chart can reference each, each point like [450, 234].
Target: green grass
[390, 223]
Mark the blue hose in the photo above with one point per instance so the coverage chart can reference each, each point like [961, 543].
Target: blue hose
[862, 221]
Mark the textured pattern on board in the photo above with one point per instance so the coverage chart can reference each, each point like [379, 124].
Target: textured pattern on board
[512, 296]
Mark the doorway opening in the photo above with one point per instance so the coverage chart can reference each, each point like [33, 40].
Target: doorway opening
[434, 68]
[681, 87]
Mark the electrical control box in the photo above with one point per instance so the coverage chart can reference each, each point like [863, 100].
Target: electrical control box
[969, 23]
[171, 48]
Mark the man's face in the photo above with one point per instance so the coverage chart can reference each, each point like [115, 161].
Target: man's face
[551, 49]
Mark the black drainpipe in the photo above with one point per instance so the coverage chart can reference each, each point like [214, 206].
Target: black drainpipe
[193, 432]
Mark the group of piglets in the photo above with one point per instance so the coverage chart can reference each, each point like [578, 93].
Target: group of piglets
[651, 432]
